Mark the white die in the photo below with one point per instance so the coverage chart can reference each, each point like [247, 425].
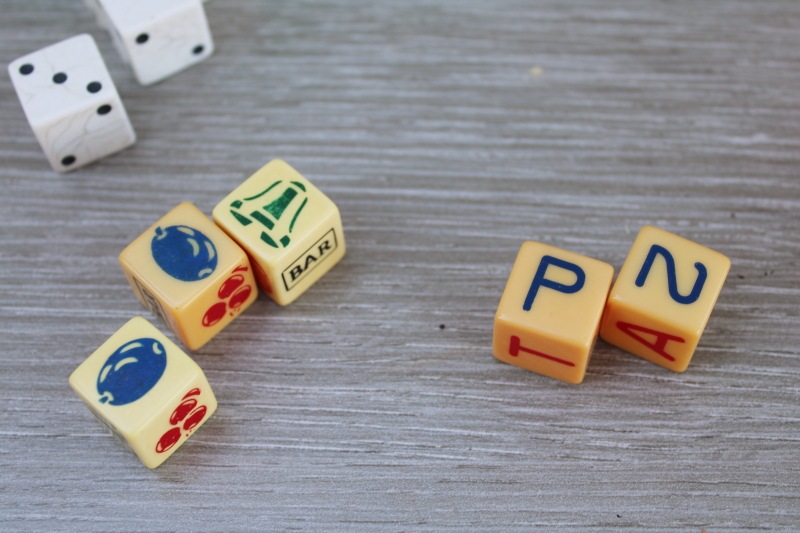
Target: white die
[158, 38]
[71, 103]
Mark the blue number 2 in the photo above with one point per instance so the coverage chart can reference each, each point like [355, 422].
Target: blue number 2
[672, 280]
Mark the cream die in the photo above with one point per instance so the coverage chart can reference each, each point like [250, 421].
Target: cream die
[145, 391]
[190, 274]
[290, 230]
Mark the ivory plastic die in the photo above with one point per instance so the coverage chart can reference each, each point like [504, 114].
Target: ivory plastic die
[190, 274]
[291, 231]
[145, 391]
[663, 297]
[550, 311]
[71, 103]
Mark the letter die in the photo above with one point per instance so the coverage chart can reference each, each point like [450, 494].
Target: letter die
[550, 311]
[291, 231]
[191, 275]
[661, 301]
[71, 103]
[144, 390]
[158, 38]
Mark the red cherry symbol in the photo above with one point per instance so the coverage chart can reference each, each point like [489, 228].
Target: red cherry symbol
[230, 285]
[168, 440]
[240, 296]
[193, 392]
[195, 418]
[182, 410]
[214, 314]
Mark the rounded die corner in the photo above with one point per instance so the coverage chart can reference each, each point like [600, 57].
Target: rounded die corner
[610, 271]
[217, 211]
[74, 380]
[277, 163]
[140, 321]
[575, 379]
[86, 37]
[13, 69]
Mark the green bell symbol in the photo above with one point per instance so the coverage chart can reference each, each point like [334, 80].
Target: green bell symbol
[283, 204]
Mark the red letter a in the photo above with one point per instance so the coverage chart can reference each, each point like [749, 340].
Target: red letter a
[661, 338]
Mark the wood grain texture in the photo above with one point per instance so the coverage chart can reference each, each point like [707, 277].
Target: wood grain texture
[352, 409]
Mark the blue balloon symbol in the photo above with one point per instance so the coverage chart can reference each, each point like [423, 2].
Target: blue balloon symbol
[184, 253]
[131, 371]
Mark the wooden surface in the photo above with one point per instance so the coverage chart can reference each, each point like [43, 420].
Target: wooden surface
[448, 132]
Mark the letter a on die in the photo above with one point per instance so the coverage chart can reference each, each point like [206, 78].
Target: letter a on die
[549, 314]
[663, 297]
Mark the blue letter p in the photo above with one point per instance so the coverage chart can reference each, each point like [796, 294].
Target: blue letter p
[540, 281]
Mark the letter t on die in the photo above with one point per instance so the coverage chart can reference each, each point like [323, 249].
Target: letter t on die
[549, 315]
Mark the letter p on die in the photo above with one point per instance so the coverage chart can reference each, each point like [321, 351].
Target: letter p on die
[549, 315]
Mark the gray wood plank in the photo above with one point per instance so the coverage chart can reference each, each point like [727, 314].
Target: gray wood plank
[353, 409]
